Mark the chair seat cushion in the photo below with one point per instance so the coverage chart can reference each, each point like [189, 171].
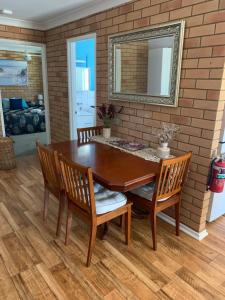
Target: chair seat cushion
[146, 191]
[97, 187]
[107, 201]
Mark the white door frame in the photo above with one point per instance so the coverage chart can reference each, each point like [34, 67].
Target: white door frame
[44, 77]
[71, 84]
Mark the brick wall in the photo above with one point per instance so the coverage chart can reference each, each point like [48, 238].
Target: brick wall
[16, 33]
[201, 98]
[134, 67]
[35, 84]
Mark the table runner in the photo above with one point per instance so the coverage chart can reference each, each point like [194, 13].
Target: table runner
[146, 153]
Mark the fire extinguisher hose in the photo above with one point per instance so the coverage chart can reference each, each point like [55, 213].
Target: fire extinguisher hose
[210, 177]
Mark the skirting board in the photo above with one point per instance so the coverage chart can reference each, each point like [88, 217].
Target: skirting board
[196, 235]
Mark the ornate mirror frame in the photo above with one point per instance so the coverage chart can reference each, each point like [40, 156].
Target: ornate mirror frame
[175, 29]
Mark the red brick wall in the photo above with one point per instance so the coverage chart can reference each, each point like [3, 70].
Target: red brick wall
[35, 84]
[201, 98]
[16, 33]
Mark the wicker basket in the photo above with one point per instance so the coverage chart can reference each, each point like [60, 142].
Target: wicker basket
[7, 156]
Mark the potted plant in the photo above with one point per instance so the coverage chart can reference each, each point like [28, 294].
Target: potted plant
[106, 113]
[165, 135]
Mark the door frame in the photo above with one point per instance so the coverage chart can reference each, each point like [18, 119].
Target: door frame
[71, 83]
[44, 78]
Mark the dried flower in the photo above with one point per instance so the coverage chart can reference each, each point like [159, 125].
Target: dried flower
[167, 132]
[107, 112]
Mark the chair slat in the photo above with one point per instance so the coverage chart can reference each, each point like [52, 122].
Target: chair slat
[172, 175]
[85, 134]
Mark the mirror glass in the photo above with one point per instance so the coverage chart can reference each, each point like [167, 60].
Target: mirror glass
[144, 67]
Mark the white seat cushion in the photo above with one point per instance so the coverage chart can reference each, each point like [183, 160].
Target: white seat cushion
[146, 191]
[97, 187]
[107, 201]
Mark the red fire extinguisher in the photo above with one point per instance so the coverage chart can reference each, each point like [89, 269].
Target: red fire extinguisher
[216, 180]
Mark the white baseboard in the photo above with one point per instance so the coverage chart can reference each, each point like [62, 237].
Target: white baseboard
[196, 235]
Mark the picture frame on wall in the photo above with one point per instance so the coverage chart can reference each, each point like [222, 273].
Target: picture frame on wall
[13, 72]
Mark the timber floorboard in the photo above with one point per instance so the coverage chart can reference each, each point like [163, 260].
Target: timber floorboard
[34, 264]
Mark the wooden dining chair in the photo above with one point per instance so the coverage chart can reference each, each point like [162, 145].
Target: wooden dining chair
[165, 192]
[93, 203]
[85, 134]
[52, 181]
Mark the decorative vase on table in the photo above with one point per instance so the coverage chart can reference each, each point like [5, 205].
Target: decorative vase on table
[106, 132]
[163, 151]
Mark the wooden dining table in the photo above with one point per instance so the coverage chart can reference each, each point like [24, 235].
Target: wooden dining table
[115, 169]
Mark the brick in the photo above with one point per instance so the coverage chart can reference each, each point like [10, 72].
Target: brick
[180, 13]
[141, 4]
[202, 123]
[150, 11]
[141, 22]
[205, 84]
[222, 4]
[214, 17]
[220, 27]
[197, 73]
[124, 9]
[119, 19]
[195, 94]
[134, 15]
[161, 116]
[191, 112]
[202, 30]
[192, 43]
[171, 5]
[187, 83]
[126, 26]
[189, 63]
[191, 2]
[218, 51]
[210, 62]
[160, 18]
[205, 7]
[213, 40]
[186, 102]
[199, 52]
[194, 21]
[181, 120]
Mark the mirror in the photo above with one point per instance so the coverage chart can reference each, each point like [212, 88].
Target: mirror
[144, 66]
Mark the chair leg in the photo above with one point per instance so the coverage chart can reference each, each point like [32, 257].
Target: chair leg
[128, 225]
[153, 227]
[68, 224]
[91, 243]
[46, 200]
[177, 217]
[60, 214]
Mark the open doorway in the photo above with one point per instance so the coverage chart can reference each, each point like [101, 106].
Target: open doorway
[82, 82]
[24, 94]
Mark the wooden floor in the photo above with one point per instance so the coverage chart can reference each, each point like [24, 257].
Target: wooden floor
[34, 264]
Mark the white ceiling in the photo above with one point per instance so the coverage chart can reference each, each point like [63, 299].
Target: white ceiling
[45, 14]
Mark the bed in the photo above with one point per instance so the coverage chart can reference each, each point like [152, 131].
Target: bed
[24, 121]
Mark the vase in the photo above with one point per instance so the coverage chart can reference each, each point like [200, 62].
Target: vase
[106, 133]
[163, 151]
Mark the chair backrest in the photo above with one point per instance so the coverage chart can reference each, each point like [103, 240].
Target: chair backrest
[49, 166]
[78, 184]
[85, 134]
[171, 176]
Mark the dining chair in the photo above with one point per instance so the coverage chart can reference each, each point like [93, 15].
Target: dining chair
[85, 134]
[52, 181]
[92, 202]
[165, 192]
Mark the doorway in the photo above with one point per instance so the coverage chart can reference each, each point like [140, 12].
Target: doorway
[24, 94]
[82, 82]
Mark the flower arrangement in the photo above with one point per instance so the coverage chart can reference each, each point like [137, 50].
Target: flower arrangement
[167, 132]
[107, 112]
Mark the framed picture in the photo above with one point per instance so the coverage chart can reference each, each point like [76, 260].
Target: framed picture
[13, 72]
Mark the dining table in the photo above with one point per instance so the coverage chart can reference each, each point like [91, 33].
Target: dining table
[113, 168]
